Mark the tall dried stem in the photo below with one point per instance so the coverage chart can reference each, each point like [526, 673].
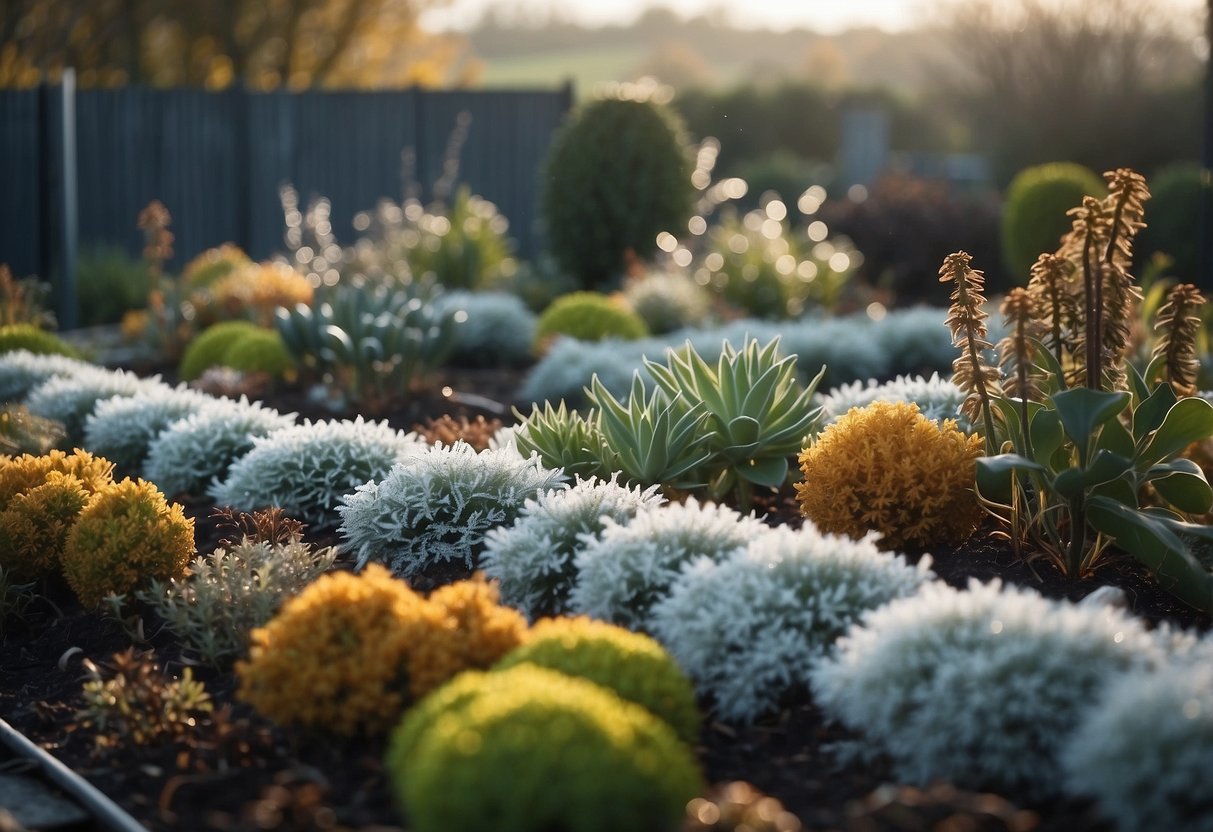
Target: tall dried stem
[1177, 324]
[967, 320]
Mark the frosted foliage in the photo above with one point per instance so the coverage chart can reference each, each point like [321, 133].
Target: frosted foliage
[569, 364]
[193, 452]
[668, 301]
[533, 559]
[122, 428]
[937, 398]
[439, 504]
[499, 328]
[21, 371]
[305, 469]
[625, 570]
[844, 346]
[70, 399]
[1146, 753]
[747, 630]
[917, 339]
[982, 687]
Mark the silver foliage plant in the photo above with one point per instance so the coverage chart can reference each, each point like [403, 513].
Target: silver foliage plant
[533, 559]
[747, 630]
[193, 452]
[937, 398]
[21, 371]
[668, 301]
[122, 428]
[1146, 753]
[982, 687]
[499, 329]
[232, 591]
[627, 568]
[438, 505]
[306, 469]
[71, 398]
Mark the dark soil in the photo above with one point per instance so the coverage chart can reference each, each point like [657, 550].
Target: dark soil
[238, 772]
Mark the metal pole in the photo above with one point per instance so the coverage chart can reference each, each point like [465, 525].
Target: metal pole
[69, 241]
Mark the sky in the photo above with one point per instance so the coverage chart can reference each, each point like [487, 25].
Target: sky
[827, 16]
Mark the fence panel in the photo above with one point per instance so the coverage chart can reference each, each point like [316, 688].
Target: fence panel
[21, 205]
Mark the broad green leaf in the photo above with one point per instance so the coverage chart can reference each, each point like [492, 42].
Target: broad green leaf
[1153, 542]
[1187, 492]
[1115, 437]
[1188, 421]
[1148, 415]
[1081, 410]
[1047, 434]
[995, 474]
[768, 472]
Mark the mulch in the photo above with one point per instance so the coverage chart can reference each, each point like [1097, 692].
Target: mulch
[239, 772]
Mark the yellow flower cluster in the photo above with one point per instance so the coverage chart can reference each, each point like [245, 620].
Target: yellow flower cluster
[20, 474]
[213, 264]
[477, 631]
[632, 665]
[351, 651]
[255, 290]
[34, 527]
[126, 535]
[889, 468]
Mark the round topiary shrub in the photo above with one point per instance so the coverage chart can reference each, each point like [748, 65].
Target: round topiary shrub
[32, 339]
[982, 688]
[634, 666]
[35, 525]
[335, 657]
[1146, 751]
[528, 748]
[259, 351]
[20, 474]
[126, 535]
[668, 302]
[1034, 213]
[1173, 218]
[617, 175]
[888, 468]
[587, 316]
[209, 348]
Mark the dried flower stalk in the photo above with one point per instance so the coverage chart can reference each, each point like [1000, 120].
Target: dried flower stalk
[967, 320]
[1177, 324]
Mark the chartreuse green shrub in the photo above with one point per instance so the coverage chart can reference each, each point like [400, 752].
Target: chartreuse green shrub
[1088, 431]
[259, 351]
[126, 535]
[33, 339]
[1144, 754]
[1034, 213]
[587, 316]
[617, 175]
[578, 758]
[209, 348]
[984, 687]
[632, 665]
[533, 559]
[1175, 217]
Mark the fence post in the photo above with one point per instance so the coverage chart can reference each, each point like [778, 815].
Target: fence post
[60, 219]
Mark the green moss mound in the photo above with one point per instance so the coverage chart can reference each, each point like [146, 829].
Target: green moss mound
[1034, 214]
[587, 316]
[259, 351]
[209, 348]
[634, 666]
[617, 175]
[38, 341]
[529, 749]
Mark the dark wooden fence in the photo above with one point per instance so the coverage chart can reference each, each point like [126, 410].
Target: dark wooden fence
[217, 161]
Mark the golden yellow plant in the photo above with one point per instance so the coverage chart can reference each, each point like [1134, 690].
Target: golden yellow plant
[888, 468]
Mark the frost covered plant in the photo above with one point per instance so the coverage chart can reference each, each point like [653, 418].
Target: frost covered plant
[1146, 753]
[499, 328]
[122, 428]
[747, 630]
[70, 399]
[627, 568]
[937, 398]
[192, 452]
[533, 559]
[982, 688]
[21, 371]
[305, 469]
[235, 589]
[437, 505]
[667, 302]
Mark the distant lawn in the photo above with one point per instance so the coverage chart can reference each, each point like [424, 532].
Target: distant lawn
[586, 67]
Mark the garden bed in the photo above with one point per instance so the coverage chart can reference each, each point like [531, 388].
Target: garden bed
[237, 771]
